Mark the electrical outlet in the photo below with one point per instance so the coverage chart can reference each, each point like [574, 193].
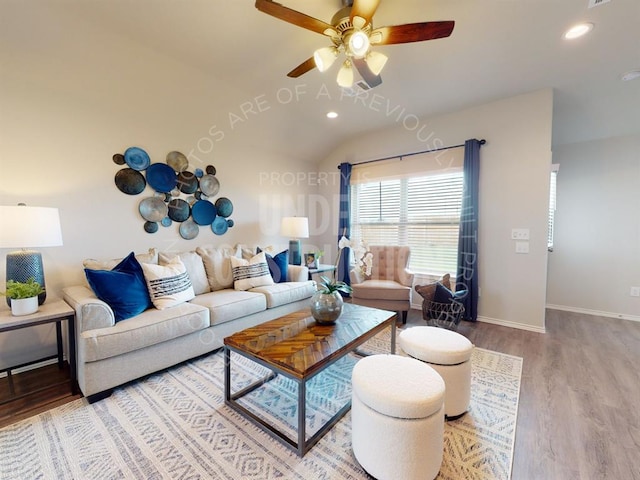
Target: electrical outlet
[635, 292]
[520, 234]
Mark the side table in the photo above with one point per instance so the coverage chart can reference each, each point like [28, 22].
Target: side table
[321, 269]
[51, 311]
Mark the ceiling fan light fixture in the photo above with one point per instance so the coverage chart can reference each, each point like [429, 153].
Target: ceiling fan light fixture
[359, 44]
[345, 75]
[376, 62]
[324, 57]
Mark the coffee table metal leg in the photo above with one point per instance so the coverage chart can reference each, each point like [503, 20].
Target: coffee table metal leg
[227, 374]
[302, 417]
[393, 337]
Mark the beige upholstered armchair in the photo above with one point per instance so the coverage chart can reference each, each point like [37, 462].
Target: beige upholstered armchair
[389, 285]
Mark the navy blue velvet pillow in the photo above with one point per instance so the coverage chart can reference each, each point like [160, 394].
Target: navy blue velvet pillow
[278, 265]
[123, 288]
[444, 295]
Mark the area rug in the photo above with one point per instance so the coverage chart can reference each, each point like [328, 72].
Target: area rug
[174, 425]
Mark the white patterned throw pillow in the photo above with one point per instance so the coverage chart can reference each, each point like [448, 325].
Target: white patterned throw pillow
[250, 273]
[169, 285]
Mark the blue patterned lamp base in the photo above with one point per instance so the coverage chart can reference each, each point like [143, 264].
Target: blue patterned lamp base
[24, 264]
[295, 257]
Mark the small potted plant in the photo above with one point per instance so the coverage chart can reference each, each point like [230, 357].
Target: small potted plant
[326, 303]
[24, 296]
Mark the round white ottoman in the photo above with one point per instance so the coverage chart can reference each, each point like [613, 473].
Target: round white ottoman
[449, 353]
[397, 417]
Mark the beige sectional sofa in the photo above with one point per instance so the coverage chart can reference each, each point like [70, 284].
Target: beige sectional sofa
[111, 353]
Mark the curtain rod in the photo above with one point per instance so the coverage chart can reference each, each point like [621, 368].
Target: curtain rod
[482, 142]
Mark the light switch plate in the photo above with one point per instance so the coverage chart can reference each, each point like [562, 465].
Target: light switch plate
[522, 247]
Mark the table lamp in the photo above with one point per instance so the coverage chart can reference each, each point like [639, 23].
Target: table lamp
[28, 227]
[295, 228]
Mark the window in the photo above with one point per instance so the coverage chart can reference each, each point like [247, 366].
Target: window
[552, 205]
[420, 211]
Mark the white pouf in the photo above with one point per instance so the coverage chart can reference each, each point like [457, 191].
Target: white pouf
[449, 353]
[397, 417]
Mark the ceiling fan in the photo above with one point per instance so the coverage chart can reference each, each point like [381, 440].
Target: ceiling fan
[351, 31]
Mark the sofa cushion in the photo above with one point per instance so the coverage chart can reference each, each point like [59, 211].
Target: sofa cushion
[150, 257]
[169, 285]
[381, 290]
[149, 328]
[195, 268]
[124, 288]
[250, 273]
[226, 305]
[288, 292]
[217, 265]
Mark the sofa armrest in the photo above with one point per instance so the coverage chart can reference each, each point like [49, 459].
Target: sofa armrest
[297, 273]
[91, 312]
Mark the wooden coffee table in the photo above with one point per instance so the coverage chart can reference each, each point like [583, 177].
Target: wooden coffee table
[294, 346]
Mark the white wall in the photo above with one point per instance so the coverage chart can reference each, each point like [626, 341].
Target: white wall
[514, 189]
[72, 95]
[596, 257]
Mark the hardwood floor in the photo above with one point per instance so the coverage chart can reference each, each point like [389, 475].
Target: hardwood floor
[578, 415]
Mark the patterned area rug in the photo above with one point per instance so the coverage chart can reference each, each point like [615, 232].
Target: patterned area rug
[174, 425]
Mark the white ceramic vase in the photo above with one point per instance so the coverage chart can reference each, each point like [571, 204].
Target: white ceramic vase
[24, 306]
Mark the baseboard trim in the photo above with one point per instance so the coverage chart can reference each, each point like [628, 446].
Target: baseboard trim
[597, 313]
[510, 324]
[33, 366]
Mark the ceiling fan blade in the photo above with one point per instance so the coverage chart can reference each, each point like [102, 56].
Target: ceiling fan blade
[303, 68]
[364, 10]
[367, 75]
[411, 32]
[296, 18]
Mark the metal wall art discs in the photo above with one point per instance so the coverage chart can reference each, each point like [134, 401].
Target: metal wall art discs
[209, 185]
[179, 194]
[153, 209]
[219, 226]
[189, 230]
[130, 181]
[179, 210]
[136, 158]
[224, 207]
[203, 212]
[187, 182]
[161, 177]
[177, 161]
[150, 227]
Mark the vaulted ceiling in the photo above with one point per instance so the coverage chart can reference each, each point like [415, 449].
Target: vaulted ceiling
[499, 48]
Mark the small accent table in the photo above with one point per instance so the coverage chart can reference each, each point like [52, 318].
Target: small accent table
[51, 311]
[321, 269]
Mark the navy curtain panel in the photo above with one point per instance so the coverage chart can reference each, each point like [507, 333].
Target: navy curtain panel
[467, 275]
[344, 221]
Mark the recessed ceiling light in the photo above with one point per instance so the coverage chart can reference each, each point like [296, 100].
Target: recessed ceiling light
[332, 115]
[578, 30]
[632, 75]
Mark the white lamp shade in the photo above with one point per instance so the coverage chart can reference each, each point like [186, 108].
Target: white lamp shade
[29, 227]
[324, 57]
[376, 61]
[345, 75]
[295, 227]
